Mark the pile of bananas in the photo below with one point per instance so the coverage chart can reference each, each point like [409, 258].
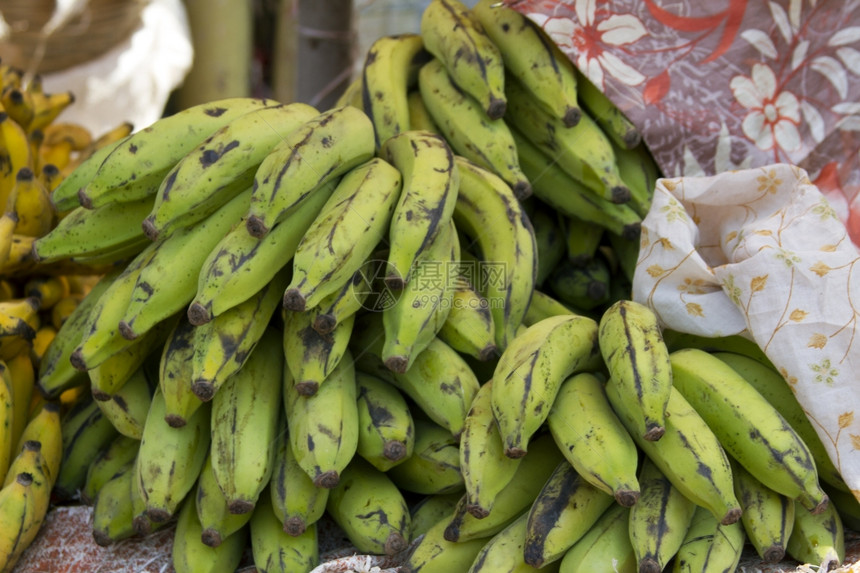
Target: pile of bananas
[410, 313]
[37, 150]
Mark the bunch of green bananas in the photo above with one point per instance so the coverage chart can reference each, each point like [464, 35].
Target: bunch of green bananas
[409, 313]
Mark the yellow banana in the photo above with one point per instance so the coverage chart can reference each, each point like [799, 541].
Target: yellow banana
[30, 201]
[45, 426]
[18, 513]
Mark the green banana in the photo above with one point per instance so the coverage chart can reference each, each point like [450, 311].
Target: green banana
[469, 327]
[455, 36]
[205, 178]
[440, 381]
[245, 422]
[183, 450]
[709, 546]
[323, 428]
[491, 215]
[370, 509]
[351, 95]
[435, 554]
[155, 149]
[322, 149]
[817, 538]
[587, 287]
[767, 517]
[312, 356]
[221, 346]
[240, 264]
[549, 238]
[344, 234]
[126, 409]
[626, 254]
[533, 58]
[750, 429]
[386, 429]
[296, 501]
[543, 305]
[419, 115]
[772, 385]
[598, 446]
[736, 343]
[120, 451]
[434, 466]
[108, 377]
[513, 500]
[179, 256]
[432, 510]
[430, 185]
[56, 373]
[571, 197]
[582, 239]
[424, 303]
[658, 523]
[564, 510]
[688, 453]
[113, 510]
[638, 362]
[350, 298]
[389, 70]
[175, 374]
[605, 547]
[531, 370]
[85, 233]
[611, 119]
[503, 552]
[217, 522]
[101, 336]
[65, 196]
[85, 432]
[468, 130]
[274, 550]
[190, 555]
[583, 151]
[485, 467]
[640, 172]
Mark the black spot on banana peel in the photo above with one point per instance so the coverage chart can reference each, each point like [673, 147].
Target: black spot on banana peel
[256, 227]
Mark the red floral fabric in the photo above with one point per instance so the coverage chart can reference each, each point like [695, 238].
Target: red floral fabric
[727, 84]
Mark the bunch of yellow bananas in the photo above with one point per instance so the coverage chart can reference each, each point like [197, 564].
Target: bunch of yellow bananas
[36, 152]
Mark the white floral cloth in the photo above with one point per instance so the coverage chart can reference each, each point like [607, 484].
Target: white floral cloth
[760, 252]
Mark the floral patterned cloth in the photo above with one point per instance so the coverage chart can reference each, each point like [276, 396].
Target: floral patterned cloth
[727, 84]
[760, 252]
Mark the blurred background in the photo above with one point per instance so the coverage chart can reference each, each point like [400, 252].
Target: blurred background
[135, 60]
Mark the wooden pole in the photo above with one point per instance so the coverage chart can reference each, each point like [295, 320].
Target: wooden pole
[285, 58]
[326, 50]
[222, 37]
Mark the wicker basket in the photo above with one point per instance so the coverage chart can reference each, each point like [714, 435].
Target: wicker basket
[100, 26]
